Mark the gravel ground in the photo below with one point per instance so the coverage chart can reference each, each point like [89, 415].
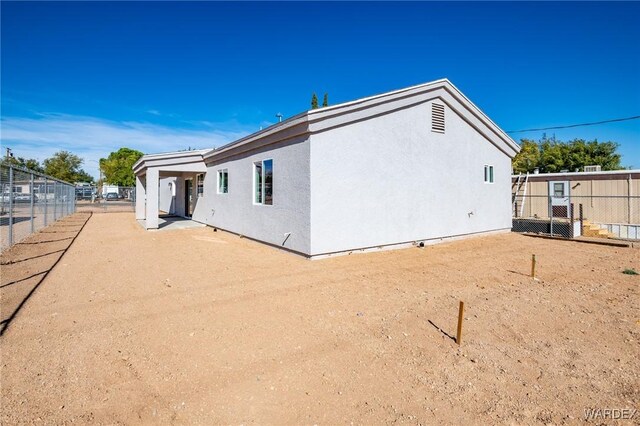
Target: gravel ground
[202, 327]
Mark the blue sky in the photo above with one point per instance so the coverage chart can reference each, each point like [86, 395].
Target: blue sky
[92, 77]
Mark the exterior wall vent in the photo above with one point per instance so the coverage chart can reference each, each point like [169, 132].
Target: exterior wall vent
[437, 118]
[592, 168]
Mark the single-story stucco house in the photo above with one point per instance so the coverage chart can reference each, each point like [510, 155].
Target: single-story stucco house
[416, 165]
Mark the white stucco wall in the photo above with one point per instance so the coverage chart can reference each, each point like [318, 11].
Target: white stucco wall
[391, 180]
[179, 204]
[236, 211]
[167, 199]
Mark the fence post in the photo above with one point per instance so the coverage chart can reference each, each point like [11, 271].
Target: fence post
[581, 217]
[55, 200]
[571, 233]
[65, 201]
[10, 206]
[46, 200]
[32, 195]
[550, 216]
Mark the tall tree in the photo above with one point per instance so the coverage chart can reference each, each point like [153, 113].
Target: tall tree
[314, 101]
[117, 167]
[30, 163]
[553, 156]
[325, 100]
[65, 166]
[528, 158]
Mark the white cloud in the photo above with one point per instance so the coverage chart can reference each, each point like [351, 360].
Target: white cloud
[93, 138]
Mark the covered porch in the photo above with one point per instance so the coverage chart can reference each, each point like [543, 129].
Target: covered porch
[168, 187]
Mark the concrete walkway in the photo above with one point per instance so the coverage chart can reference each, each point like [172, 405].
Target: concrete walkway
[169, 223]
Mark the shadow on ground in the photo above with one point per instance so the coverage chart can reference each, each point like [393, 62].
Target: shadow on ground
[27, 264]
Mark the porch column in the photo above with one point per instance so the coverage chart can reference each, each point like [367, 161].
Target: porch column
[141, 196]
[153, 182]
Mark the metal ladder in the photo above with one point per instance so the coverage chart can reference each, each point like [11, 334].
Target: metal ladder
[519, 193]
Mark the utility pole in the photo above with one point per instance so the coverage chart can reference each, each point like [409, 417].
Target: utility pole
[9, 153]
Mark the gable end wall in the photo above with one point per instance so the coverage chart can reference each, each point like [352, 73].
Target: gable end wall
[390, 180]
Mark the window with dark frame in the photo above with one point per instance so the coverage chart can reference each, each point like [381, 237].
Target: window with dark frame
[200, 185]
[488, 173]
[223, 181]
[263, 182]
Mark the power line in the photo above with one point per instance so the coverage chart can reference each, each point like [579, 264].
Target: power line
[635, 117]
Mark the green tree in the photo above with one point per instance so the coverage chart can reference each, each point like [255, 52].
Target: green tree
[528, 158]
[314, 101]
[30, 163]
[325, 100]
[117, 167]
[65, 166]
[553, 156]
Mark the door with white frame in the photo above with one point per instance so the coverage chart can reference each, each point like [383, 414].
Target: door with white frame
[559, 198]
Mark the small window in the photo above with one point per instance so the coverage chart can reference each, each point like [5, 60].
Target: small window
[488, 174]
[558, 190]
[437, 118]
[200, 185]
[223, 181]
[263, 182]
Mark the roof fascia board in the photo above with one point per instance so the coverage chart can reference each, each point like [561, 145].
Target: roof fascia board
[268, 134]
[174, 154]
[416, 90]
[361, 109]
[624, 174]
[166, 160]
[380, 97]
[304, 116]
[487, 129]
[406, 99]
[290, 132]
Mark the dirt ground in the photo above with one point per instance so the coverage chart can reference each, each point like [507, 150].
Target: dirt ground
[29, 262]
[202, 327]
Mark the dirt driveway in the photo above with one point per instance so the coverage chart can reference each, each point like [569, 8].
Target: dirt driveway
[194, 326]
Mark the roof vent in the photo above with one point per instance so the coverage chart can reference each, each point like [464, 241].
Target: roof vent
[437, 118]
[592, 168]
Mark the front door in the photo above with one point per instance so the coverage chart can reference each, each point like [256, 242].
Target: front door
[188, 186]
[559, 193]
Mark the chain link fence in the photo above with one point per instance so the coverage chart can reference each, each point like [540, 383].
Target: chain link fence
[613, 217]
[31, 201]
[106, 199]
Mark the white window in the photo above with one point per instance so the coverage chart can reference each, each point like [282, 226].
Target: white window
[263, 182]
[558, 189]
[223, 181]
[488, 174]
[200, 185]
